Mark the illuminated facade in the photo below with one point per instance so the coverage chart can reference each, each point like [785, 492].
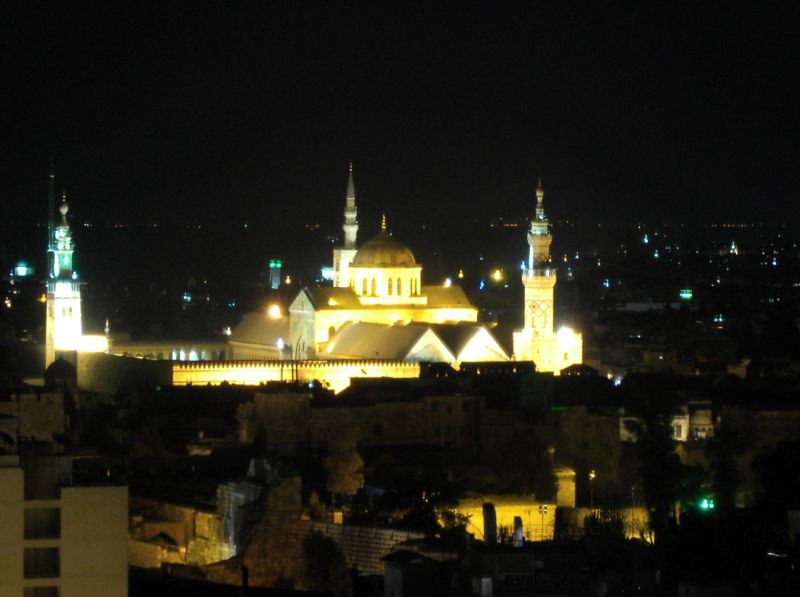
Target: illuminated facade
[384, 285]
[538, 341]
[63, 326]
[335, 374]
[343, 256]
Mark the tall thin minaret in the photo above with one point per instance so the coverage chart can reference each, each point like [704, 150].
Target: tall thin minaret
[350, 225]
[539, 278]
[63, 328]
[343, 256]
[538, 341]
[51, 210]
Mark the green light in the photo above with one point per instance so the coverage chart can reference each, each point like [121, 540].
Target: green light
[686, 294]
[275, 263]
[707, 504]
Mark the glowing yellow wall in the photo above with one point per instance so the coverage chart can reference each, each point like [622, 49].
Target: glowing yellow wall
[335, 374]
[536, 525]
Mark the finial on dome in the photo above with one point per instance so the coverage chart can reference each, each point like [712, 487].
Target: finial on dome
[350, 167]
[383, 222]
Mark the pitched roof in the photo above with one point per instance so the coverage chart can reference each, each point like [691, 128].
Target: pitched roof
[258, 328]
[327, 296]
[381, 341]
[455, 335]
[441, 296]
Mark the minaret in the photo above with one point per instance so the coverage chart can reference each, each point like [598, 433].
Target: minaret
[538, 341]
[51, 210]
[350, 225]
[539, 278]
[343, 256]
[63, 328]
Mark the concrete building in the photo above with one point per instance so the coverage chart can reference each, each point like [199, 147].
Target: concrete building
[60, 538]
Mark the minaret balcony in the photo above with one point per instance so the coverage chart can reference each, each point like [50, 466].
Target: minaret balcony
[540, 272]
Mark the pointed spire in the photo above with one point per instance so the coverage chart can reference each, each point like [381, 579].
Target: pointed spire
[540, 201]
[51, 203]
[64, 207]
[383, 222]
[351, 188]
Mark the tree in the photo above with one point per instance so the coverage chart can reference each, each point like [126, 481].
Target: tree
[343, 466]
[662, 473]
[326, 568]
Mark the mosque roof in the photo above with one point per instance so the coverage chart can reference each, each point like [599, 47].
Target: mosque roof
[328, 296]
[375, 340]
[442, 296]
[455, 335]
[259, 328]
[384, 251]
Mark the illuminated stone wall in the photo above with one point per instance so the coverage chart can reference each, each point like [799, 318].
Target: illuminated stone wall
[537, 524]
[333, 374]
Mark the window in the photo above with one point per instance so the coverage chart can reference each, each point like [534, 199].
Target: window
[389, 286]
[377, 430]
[364, 286]
[41, 562]
[434, 407]
[42, 523]
[374, 287]
[449, 409]
[566, 356]
[677, 431]
[40, 592]
[399, 287]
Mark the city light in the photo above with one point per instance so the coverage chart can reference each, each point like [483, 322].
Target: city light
[274, 311]
[497, 275]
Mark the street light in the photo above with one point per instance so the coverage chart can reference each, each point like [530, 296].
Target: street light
[592, 475]
[542, 513]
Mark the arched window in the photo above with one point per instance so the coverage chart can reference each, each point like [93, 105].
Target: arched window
[390, 286]
[364, 286]
[399, 287]
[374, 287]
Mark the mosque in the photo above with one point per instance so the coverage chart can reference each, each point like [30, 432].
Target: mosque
[378, 319]
[378, 308]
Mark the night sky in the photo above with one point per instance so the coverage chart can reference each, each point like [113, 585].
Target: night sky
[237, 111]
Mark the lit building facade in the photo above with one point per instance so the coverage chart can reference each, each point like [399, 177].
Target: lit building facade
[63, 329]
[63, 321]
[60, 539]
[538, 341]
[384, 285]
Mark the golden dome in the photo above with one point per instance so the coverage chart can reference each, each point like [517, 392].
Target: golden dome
[383, 251]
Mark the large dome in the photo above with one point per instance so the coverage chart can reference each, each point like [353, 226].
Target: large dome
[384, 251]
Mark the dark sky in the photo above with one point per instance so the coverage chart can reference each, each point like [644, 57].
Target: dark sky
[163, 110]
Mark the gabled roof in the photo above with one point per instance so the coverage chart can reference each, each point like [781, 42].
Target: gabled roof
[258, 328]
[441, 296]
[455, 335]
[324, 297]
[379, 341]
